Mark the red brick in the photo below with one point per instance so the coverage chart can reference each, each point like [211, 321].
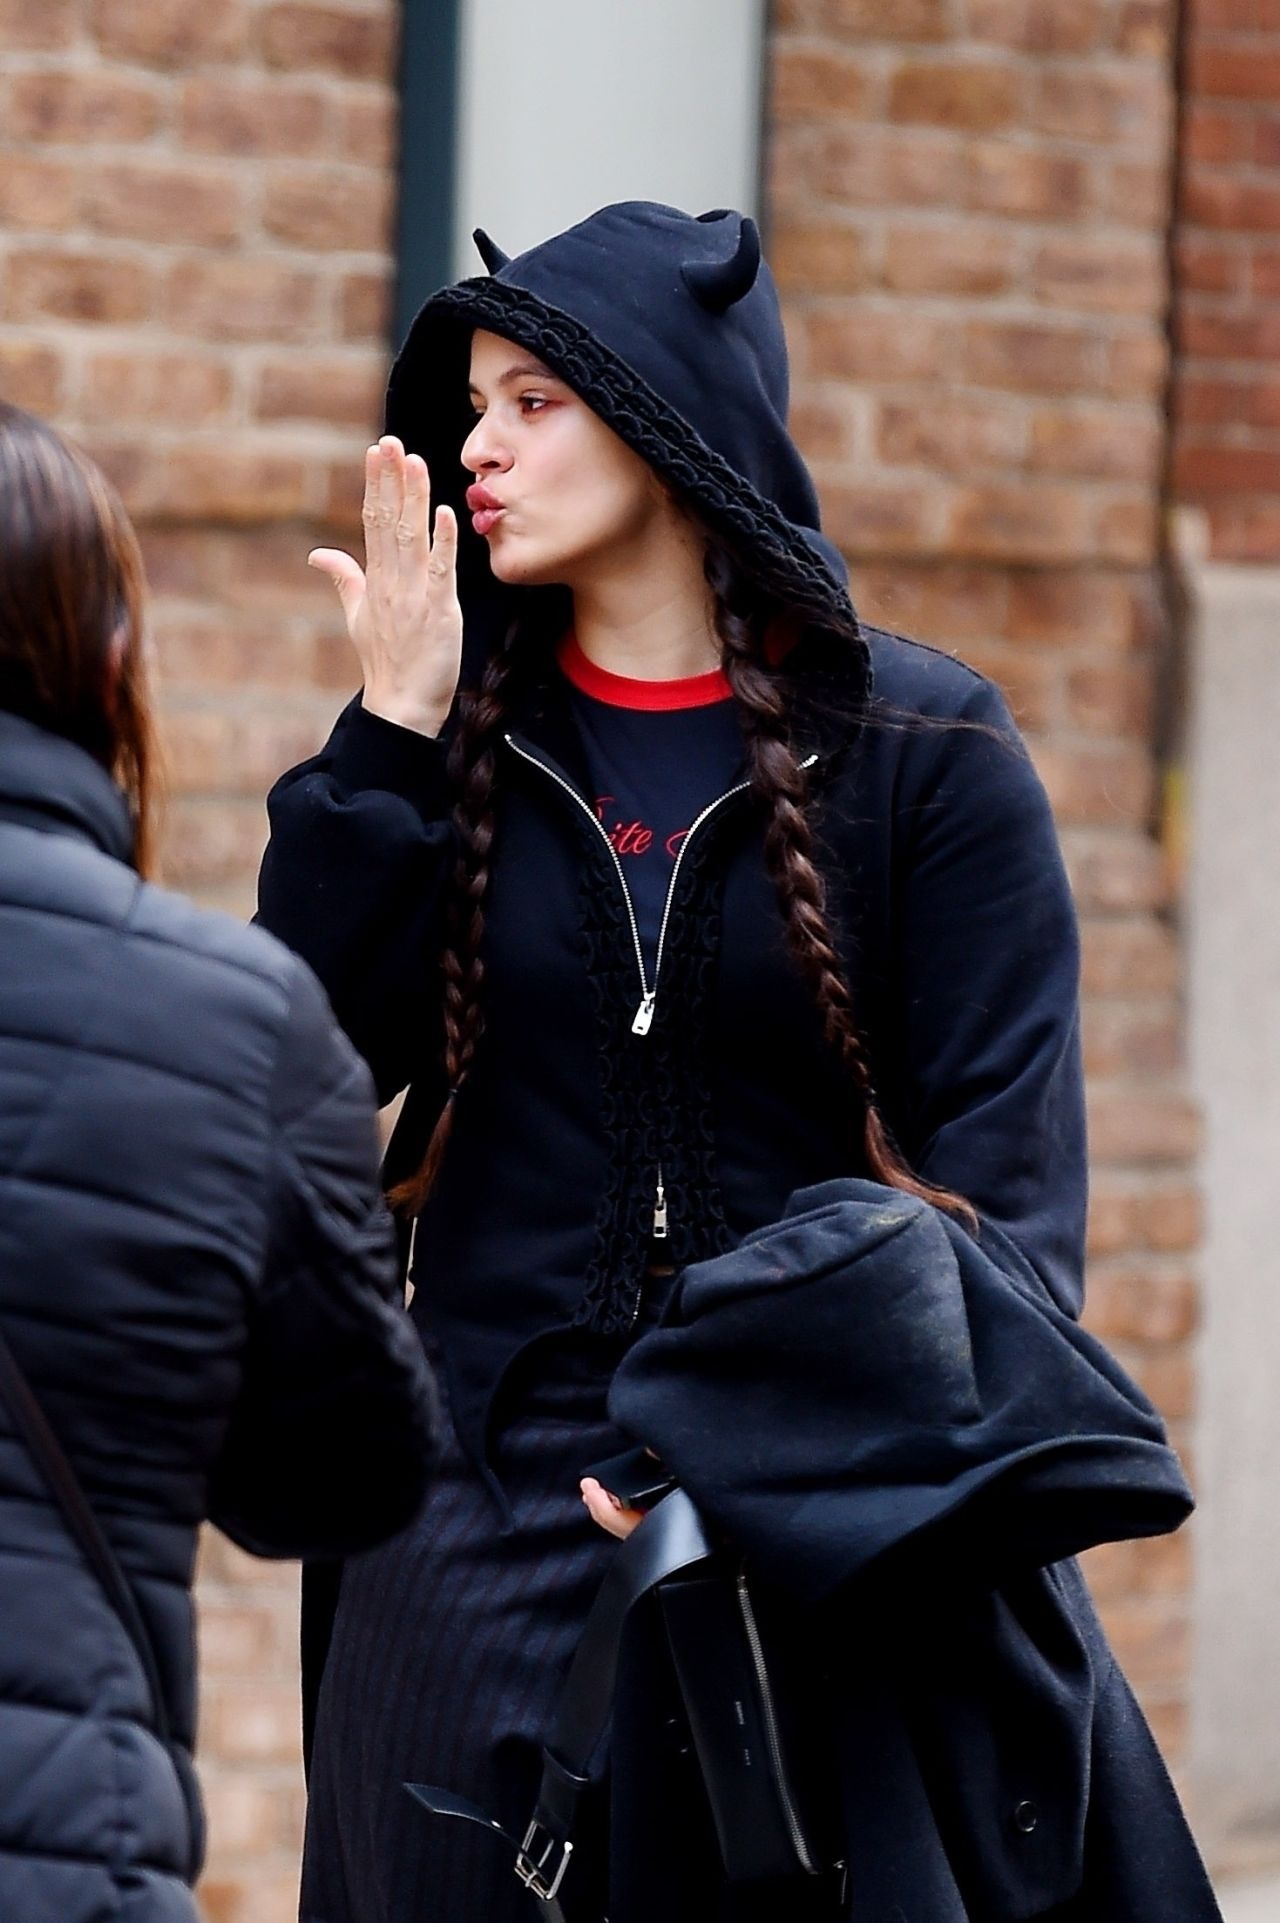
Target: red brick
[819, 256]
[1218, 71]
[1137, 194]
[884, 167]
[216, 648]
[1144, 27]
[1111, 698]
[1209, 266]
[42, 284]
[1136, 365]
[364, 306]
[170, 33]
[1125, 1126]
[184, 389]
[246, 1816]
[883, 518]
[1125, 107]
[948, 605]
[209, 842]
[1037, 26]
[809, 83]
[331, 207]
[241, 298]
[1163, 1564]
[355, 44]
[257, 1724]
[1168, 1377]
[1213, 197]
[1174, 1219]
[31, 376]
[1138, 1301]
[1071, 610]
[1028, 681]
[238, 1639]
[1117, 277]
[368, 127]
[1028, 355]
[955, 257]
[1265, 273]
[1206, 334]
[236, 752]
[1126, 529]
[1109, 1570]
[241, 116]
[915, 20]
[74, 105]
[37, 195]
[1002, 178]
[824, 426]
[1245, 530]
[978, 96]
[1216, 134]
[1207, 467]
[1118, 874]
[164, 202]
[951, 434]
[1098, 783]
[38, 26]
[132, 462]
[1116, 443]
[1130, 1213]
[879, 344]
[1266, 141]
[232, 482]
[1151, 1640]
[1129, 957]
[342, 389]
[1028, 521]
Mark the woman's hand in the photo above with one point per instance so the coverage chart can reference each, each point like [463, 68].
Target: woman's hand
[608, 1511]
[402, 608]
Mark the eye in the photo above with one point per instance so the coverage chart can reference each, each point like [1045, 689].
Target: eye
[536, 401]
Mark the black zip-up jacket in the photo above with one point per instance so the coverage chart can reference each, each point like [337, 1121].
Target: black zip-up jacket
[953, 916]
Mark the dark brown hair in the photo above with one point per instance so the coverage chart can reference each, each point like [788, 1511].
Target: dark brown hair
[72, 595]
[743, 618]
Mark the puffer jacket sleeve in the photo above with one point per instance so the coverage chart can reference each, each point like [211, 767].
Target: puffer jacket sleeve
[331, 1441]
[989, 1096]
[353, 880]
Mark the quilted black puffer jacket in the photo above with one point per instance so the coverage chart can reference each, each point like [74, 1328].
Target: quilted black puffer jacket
[197, 1277]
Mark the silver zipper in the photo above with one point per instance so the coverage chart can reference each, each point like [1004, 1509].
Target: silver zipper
[798, 1839]
[642, 1021]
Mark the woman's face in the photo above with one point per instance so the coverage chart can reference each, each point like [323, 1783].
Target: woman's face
[571, 491]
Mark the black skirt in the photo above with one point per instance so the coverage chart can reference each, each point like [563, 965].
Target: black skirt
[449, 1647]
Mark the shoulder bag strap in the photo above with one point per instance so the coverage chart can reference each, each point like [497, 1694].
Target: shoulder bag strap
[85, 1530]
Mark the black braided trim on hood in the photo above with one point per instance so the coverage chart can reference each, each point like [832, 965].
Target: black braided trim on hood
[770, 546]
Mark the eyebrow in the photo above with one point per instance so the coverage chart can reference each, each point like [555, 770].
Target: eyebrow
[518, 371]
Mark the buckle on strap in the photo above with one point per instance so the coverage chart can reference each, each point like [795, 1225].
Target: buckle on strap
[535, 1857]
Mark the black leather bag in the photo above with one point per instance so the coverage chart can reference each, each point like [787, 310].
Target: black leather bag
[769, 1809]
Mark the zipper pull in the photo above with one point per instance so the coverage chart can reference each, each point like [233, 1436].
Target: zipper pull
[643, 1021]
[660, 1213]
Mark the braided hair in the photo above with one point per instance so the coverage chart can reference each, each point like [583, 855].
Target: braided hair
[742, 621]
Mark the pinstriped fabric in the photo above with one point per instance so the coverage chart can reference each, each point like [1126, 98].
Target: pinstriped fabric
[449, 1647]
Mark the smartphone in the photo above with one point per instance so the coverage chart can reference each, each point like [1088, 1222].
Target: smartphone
[635, 1477]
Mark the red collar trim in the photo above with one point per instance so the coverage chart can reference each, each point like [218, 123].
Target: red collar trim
[624, 691]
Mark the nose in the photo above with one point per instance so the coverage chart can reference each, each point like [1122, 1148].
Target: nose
[483, 451]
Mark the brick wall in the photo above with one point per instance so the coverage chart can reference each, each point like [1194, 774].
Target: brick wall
[194, 217]
[968, 202]
[1227, 394]
[967, 221]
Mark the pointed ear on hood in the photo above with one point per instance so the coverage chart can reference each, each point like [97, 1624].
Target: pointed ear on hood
[490, 253]
[717, 284]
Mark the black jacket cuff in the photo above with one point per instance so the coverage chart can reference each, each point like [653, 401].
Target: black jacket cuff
[367, 751]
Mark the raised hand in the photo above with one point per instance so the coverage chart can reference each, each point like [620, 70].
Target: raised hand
[402, 608]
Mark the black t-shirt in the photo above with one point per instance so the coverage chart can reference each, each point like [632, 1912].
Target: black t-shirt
[659, 752]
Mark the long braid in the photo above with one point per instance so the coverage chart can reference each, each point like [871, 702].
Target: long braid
[472, 766]
[777, 777]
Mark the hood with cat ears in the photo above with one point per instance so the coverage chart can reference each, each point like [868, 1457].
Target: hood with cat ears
[668, 325]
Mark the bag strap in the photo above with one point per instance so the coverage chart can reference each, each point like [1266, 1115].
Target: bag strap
[83, 1525]
[671, 1538]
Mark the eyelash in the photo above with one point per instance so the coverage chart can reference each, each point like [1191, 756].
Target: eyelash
[541, 399]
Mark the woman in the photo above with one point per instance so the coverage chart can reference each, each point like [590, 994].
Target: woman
[703, 894]
[197, 1293]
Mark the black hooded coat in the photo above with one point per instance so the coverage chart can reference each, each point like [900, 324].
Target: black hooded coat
[887, 1454]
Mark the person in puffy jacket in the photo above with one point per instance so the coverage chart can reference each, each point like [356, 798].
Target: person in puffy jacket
[197, 1273]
